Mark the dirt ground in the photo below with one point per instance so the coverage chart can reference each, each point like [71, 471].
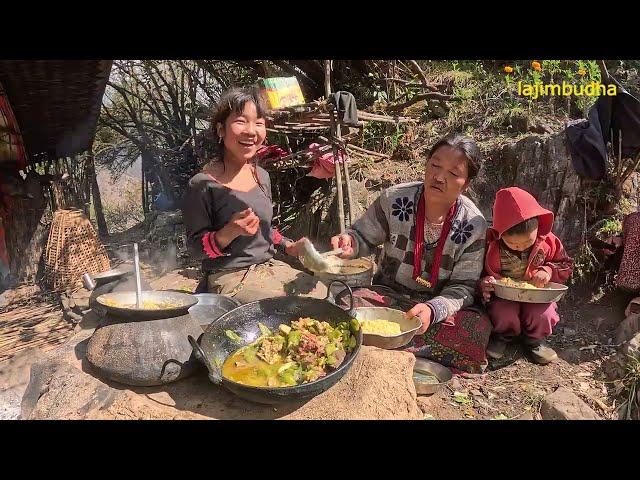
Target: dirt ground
[514, 387]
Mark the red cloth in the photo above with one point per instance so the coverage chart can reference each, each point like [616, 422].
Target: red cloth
[512, 206]
[324, 165]
[270, 153]
[535, 320]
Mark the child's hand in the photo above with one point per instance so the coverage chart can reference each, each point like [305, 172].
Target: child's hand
[540, 278]
[486, 285]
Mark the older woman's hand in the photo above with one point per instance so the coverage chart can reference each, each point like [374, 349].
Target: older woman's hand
[345, 242]
[486, 286]
[424, 313]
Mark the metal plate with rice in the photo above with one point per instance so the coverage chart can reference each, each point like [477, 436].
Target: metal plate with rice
[549, 294]
[408, 326]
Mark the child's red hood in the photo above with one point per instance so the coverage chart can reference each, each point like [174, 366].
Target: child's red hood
[514, 205]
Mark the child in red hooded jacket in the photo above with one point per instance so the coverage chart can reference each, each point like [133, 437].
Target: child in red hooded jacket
[520, 245]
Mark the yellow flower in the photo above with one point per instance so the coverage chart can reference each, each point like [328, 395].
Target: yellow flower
[536, 66]
[582, 72]
[508, 69]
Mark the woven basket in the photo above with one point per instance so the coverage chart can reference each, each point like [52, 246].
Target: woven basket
[73, 249]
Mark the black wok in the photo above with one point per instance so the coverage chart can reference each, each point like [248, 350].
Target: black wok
[215, 346]
[123, 304]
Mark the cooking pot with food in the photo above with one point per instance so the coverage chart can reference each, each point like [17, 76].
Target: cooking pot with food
[296, 332]
[146, 346]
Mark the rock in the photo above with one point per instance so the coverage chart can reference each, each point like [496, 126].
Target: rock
[10, 404]
[542, 166]
[14, 378]
[541, 128]
[633, 307]
[569, 332]
[528, 415]
[65, 394]
[632, 347]
[519, 122]
[628, 328]
[81, 299]
[563, 404]
[378, 386]
[14, 372]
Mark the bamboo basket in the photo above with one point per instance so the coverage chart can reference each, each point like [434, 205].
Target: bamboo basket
[73, 249]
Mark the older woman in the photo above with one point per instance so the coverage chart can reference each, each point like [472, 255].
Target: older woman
[434, 243]
[228, 209]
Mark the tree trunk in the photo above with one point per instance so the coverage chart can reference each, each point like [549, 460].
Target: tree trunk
[145, 207]
[97, 200]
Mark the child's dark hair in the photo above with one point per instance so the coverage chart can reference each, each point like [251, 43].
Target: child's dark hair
[521, 228]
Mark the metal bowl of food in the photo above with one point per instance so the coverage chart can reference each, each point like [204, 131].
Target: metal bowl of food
[518, 291]
[386, 327]
[210, 307]
[357, 272]
[429, 377]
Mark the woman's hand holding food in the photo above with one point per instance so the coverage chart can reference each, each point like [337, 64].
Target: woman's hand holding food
[486, 286]
[424, 313]
[293, 248]
[244, 223]
[345, 242]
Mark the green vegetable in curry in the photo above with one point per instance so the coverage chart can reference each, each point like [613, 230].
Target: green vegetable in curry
[302, 352]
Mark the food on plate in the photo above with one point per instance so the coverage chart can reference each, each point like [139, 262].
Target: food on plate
[381, 327]
[510, 282]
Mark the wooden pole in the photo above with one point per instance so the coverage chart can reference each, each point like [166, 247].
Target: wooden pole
[97, 199]
[345, 158]
[327, 91]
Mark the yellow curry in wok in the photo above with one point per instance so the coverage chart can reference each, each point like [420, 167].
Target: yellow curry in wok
[302, 352]
[146, 304]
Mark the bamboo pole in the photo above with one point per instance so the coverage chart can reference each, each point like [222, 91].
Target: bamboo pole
[338, 172]
[345, 159]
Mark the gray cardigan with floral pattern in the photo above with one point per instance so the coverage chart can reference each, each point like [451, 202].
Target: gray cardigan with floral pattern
[391, 220]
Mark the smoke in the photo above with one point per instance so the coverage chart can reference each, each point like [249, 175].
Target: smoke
[164, 258]
[124, 253]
